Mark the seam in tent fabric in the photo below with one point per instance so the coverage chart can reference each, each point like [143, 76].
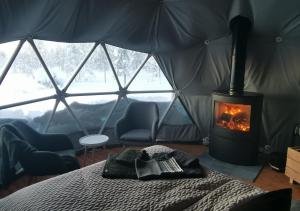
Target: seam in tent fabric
[164, 68]
[291, 25]
[289, 80]
[176, 22]
[155, 28]
[196, 72]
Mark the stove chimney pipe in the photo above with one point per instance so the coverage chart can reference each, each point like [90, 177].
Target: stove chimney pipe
[240, 28]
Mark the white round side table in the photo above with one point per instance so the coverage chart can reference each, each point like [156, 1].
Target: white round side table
[92, 141]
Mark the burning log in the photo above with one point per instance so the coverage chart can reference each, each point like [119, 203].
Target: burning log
[233, 116]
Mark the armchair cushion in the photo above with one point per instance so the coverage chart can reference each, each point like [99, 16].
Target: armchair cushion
[40, 163]
[137, 135]
[55, 142]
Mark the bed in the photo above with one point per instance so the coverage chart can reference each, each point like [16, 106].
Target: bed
[86, 189]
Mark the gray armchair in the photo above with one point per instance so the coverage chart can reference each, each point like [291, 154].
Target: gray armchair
[54, 153]
[139, 122]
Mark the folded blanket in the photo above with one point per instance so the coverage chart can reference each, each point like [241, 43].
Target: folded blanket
[176, 164]
[136, 164]
[122, 165]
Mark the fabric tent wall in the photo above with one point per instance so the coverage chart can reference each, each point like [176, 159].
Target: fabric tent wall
[191, 41]
[272, 68]
[143, 25]
[196, 72]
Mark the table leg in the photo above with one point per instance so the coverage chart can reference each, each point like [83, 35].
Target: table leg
[85, 150]
[93, 154]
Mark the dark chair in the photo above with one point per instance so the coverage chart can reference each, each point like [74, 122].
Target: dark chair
[139, 123]
[277, 160]
[274, 200]
[55, 153]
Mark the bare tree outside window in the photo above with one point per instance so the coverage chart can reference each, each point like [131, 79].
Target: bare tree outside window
[44, 100]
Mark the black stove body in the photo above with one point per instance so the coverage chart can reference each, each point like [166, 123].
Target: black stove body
[236, 115]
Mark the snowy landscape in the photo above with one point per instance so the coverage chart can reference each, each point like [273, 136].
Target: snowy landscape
[27, 80]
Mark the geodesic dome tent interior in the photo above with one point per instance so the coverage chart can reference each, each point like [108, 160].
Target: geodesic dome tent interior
[83, 88]
[74, 66]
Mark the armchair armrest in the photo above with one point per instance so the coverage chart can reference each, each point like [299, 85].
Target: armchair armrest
[55, 142]
[154, 128]
[122, 127]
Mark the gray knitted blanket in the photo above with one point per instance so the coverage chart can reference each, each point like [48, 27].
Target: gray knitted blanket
[85, 189]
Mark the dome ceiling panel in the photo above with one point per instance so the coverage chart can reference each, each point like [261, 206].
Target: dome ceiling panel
[143, 25]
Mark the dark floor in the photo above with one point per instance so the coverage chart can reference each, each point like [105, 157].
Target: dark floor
[267, 180]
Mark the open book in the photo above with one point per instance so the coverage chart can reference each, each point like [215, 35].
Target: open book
[156, 168]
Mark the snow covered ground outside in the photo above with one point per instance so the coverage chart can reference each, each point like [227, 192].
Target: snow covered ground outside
[27, 80]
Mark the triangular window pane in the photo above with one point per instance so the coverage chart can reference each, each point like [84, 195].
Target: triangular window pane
[26, 79]
[62, 121]
[6, 51]
[62, 59]
[35, 114]
[126, 62]
[95, 76]
[150, 78]
[118, 112]
[162, 99]
[92, 111]
[177, 115]
[177, 125]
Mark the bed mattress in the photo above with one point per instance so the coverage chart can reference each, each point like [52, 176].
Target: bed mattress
[86, 189]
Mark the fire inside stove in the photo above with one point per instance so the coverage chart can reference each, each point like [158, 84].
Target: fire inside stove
[233, 116]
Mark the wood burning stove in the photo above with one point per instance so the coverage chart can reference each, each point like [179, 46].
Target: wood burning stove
[235, 127]
[234, 134]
